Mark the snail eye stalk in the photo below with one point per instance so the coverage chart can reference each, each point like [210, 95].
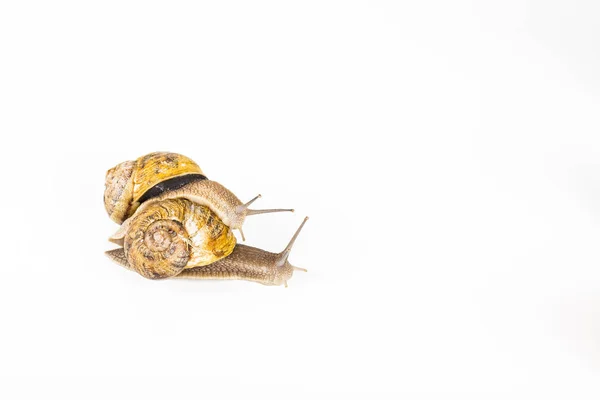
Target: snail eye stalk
[283, 256]
[244, 208]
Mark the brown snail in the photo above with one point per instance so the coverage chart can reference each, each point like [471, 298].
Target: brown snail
[171, 230]
[161, 175]
[244, 262]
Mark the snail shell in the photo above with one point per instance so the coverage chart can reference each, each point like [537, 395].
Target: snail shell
[169, 236]
[129, 183]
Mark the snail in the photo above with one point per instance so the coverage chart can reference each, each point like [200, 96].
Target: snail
[177, 238]
[158, 176]
[175, 223]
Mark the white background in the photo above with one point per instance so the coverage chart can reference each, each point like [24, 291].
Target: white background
[448, 154]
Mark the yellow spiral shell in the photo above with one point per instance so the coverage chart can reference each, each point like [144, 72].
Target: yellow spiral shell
[171, 235]
[127, 182]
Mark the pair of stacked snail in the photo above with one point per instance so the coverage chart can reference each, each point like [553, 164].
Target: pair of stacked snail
[176, 223]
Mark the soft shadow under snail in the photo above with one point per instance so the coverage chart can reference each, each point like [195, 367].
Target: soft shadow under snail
[175, 223]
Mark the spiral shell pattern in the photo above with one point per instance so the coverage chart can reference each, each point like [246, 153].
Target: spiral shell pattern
[170, 235]
[119, 190]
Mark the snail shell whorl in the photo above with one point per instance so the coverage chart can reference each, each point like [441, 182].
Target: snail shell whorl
[127, 182]
[170, 235]
[118, 190]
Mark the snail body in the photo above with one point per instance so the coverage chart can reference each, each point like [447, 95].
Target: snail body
[251, 264]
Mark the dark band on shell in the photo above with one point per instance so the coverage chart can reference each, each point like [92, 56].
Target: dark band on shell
[170, 184]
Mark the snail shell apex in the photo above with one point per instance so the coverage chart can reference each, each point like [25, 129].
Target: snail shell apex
[127, 182]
